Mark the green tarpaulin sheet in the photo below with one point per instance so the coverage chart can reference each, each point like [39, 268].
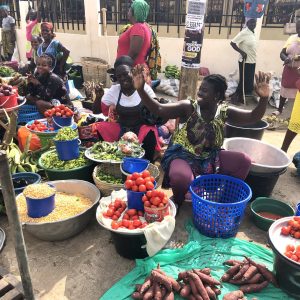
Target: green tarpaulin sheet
[200, 252]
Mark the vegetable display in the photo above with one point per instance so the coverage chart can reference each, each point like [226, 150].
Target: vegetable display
[292, 228]
[51, 161]
[66, 134]
[293, 252]
[155, 199]
[171, 71]
[59, 111]
[6, 90]
[40, 126]
[140, 182]
[6, 71]
[249, 275]
[19, 82]
[108, 178]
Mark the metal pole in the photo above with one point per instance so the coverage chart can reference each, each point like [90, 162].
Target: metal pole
[14, 223]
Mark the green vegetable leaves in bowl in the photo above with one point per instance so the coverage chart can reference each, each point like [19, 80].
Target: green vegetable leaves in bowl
[66, 134]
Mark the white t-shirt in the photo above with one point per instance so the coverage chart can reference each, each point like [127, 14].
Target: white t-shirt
[111, 96]
[7, 22]
[246, 41]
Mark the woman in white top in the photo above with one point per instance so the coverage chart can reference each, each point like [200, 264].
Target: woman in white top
[8, 33]
[245, 44]
[123, 100]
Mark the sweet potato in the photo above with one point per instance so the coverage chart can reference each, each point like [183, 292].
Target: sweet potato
[182, 275]
[241, 272]
[137, 296]
[252, 270]
[169, 296]
[157, 291]
[149, 294]
[193, 287]
[163, 291]
[198, 297]
[264, 271]
[210, 292]
[185, 291]
[138, 287]
[257, 278]
[199, 285]
[175, 285]
[233, 270]
[235, 295]
[217, 291]
[253, 288]
[206, 278]
[191, 297]
[145, 286]
[162, 279]
[205, 271]
[232, 262]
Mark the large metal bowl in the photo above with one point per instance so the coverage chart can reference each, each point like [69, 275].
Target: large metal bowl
[265, 157]
[61, 230]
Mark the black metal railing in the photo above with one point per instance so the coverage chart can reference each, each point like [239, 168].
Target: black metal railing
[64, 14]
[14, 10]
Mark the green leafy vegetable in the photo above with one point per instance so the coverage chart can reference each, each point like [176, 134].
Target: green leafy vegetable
[66, 134]
[108, 178]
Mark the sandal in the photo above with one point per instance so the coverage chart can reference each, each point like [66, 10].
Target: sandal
[276, 113]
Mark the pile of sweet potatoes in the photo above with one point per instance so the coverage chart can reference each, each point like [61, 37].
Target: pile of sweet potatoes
[249, 275]
[198, 285]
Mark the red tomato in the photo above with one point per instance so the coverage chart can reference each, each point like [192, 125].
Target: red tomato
[142, 188]
[115, 217]
[147, 179]
[153, 206]
[294, 257]
[165, 200]
[297, 253]
[61, 106]
[152, 178]
[68, 114]
[146, 173]
[298, 248]
[128, 184]
[297, 218]
[139, 181]
[155, 201]
[144, 198]
[136, 217]
[129, 177]
[117, 203]
[144, 224]
[110, 213]
[36, 122]
[58, 114]
[111, 205]
[149, 186]
[131, 227]
[126, 217]
[290, 248]
[149, 194]
[125, 223]
[120, 210]
[118, 214]
[51, 129]
[135, 175]
[137, 223]
[288, 254]
[131, 212]
[161, 194]
[161, 205]
[140, 213]
[297, 235]
[135, 188]
[114, 225]
[147, 204]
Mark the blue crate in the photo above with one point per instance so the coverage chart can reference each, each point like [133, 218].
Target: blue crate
[28, 113]
[219, 203]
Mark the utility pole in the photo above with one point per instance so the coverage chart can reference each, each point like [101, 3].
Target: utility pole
[190, 63]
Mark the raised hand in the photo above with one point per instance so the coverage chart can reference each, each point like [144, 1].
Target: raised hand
[262, 88]
[138, 77]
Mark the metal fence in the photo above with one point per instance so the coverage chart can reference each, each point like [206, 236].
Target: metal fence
[65, 14]
[14, 10]
[219, 13]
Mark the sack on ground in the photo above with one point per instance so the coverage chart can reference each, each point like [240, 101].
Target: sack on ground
[169, 87]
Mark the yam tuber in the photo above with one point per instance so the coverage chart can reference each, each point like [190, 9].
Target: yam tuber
[253, 288]
[185, 291]
[199, 285]
[241, 272]
[235, 295]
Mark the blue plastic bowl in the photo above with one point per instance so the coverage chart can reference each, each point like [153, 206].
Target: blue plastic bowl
[131, 165]
[31, 178]
[37, 208]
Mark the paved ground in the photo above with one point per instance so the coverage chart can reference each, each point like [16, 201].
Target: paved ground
[85, 266]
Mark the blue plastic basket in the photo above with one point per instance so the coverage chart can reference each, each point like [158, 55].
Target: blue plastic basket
[219, 204]
[28, 113]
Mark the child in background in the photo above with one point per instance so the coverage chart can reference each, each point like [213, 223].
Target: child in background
[36, 41]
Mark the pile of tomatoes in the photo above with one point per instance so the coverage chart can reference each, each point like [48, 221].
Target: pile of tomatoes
[59, 111]
[130, 219]
[292, 228]
[293, 252]
[140, 182]
[39, 126]
[155, 199]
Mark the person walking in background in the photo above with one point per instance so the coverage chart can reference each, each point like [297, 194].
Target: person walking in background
[290, 55]
[33, 28]
[8, 33]
[245, 44]
[139, 41]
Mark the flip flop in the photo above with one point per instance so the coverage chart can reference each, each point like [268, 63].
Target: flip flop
[2, 238]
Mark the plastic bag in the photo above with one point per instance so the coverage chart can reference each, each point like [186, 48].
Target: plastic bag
[74, 94]
[169, 87]
[232, 83]
[200, 252]
[23, 133]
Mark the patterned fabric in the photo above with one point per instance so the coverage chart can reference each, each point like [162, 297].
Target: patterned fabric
[201, 138]
[8, 45]
[294, 124]
[154, 57]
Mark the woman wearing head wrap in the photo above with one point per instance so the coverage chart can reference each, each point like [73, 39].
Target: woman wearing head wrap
[8, 33]
[135, 41]
[33, 28]
[197, 144]
[123, 99]
[53, 48]
[245, 44]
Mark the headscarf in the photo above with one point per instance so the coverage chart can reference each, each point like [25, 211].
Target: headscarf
[5, 7]
[140, 10]
[47, 25]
